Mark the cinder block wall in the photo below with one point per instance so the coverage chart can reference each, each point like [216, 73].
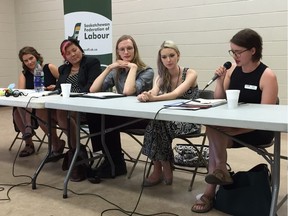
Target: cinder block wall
[201, 28]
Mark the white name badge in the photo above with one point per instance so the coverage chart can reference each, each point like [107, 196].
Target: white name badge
[251, 87]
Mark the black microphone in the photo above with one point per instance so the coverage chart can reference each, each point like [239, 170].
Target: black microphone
[57, 91]
[227, 65]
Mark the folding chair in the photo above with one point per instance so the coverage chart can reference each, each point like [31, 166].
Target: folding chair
[133, 133]
[36, 138]
[269, 157]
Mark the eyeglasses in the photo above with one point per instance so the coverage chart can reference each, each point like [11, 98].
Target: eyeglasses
[129, 49]
[236, 53]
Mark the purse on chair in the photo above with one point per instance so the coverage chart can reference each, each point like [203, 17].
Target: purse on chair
[249, 195]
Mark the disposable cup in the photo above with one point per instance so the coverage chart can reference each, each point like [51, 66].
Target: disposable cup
[232, 96]
[65, 88]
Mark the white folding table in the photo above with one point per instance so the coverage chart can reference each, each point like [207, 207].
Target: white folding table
[254, 116]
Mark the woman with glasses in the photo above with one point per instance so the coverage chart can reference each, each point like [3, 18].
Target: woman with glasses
[130, 76]
[22, 119]
[257, 84]
[173, 81]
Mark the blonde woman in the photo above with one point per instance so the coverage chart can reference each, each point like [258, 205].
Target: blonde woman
[173, 81]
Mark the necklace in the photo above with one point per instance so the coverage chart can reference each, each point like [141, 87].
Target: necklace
[74, 70]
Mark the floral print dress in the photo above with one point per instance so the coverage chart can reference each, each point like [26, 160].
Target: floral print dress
[160, 134]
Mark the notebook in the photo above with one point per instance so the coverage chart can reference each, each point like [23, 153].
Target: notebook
[195, 104]
[101, 95]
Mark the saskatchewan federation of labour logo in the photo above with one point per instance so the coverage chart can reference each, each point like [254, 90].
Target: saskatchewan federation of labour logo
[76, 31]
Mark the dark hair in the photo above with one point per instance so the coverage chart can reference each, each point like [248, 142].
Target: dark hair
[32, 51]
[67, 42]
[249, 39]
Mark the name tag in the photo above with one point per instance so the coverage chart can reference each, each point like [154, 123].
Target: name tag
[251, 87]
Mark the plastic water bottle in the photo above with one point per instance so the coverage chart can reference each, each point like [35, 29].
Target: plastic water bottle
[38, 78]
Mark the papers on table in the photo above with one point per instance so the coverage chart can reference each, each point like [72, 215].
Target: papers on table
[199, 103]
[99, 95]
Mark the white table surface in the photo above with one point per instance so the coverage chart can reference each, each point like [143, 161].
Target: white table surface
[254, 116]
[33, 99]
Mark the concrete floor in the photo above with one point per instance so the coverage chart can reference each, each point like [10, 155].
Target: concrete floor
[84, 198]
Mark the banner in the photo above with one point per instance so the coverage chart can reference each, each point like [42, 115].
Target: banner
[90, 22]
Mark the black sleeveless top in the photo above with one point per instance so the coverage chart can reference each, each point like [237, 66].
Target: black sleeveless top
[49, 79]
[248, 84]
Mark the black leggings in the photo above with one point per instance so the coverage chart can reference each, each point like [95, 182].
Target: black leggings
[112, 139]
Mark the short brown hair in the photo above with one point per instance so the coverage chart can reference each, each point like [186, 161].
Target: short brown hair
[249, 38]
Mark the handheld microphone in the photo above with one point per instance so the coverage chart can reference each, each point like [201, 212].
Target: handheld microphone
[57, 91]
[227, 65]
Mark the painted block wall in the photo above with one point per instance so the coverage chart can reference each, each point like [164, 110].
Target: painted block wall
[201, 28]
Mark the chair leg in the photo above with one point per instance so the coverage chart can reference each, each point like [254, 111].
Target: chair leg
[16, 137]
[200, 159]
[131, 159]
[38, 139]
[134, 164]
[41, 141]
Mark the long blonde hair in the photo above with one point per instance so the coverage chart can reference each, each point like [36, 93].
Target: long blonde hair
[164, 81]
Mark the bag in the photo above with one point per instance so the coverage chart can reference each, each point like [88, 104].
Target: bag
[81, 169]
[249, 195]
[187, 155]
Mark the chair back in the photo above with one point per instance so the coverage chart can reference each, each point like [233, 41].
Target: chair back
[206, 94]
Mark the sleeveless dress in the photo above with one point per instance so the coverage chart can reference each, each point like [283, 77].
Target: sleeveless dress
[250, 92]
[49, 79]
[160, 134]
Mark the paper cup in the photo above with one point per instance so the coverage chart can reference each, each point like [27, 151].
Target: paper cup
[232, 98]
[65, 88]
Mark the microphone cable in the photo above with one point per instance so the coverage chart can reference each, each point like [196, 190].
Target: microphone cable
[133, 212]
[11, 186]
[118, 208]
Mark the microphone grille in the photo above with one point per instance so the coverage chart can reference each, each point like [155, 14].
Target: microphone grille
[227, 65]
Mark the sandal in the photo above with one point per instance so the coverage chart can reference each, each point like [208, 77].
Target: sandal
[203, 205]
[29, 132]
[27, 151]
[219, 177]
[57, 155]
[60, 150]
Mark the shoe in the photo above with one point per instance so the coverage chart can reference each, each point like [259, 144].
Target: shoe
[147, 183]
[205, 203]
[57, 155]
[60, 150]
[168, 181]
[29, 132]
[77, 174]
[218, 177]
[94, 179]
[168, 174]
[27, 151]
[104, 170]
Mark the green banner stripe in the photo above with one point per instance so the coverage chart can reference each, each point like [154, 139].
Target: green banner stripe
[102, 7]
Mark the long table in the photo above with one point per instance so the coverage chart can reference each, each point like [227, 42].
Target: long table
[254, 116]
